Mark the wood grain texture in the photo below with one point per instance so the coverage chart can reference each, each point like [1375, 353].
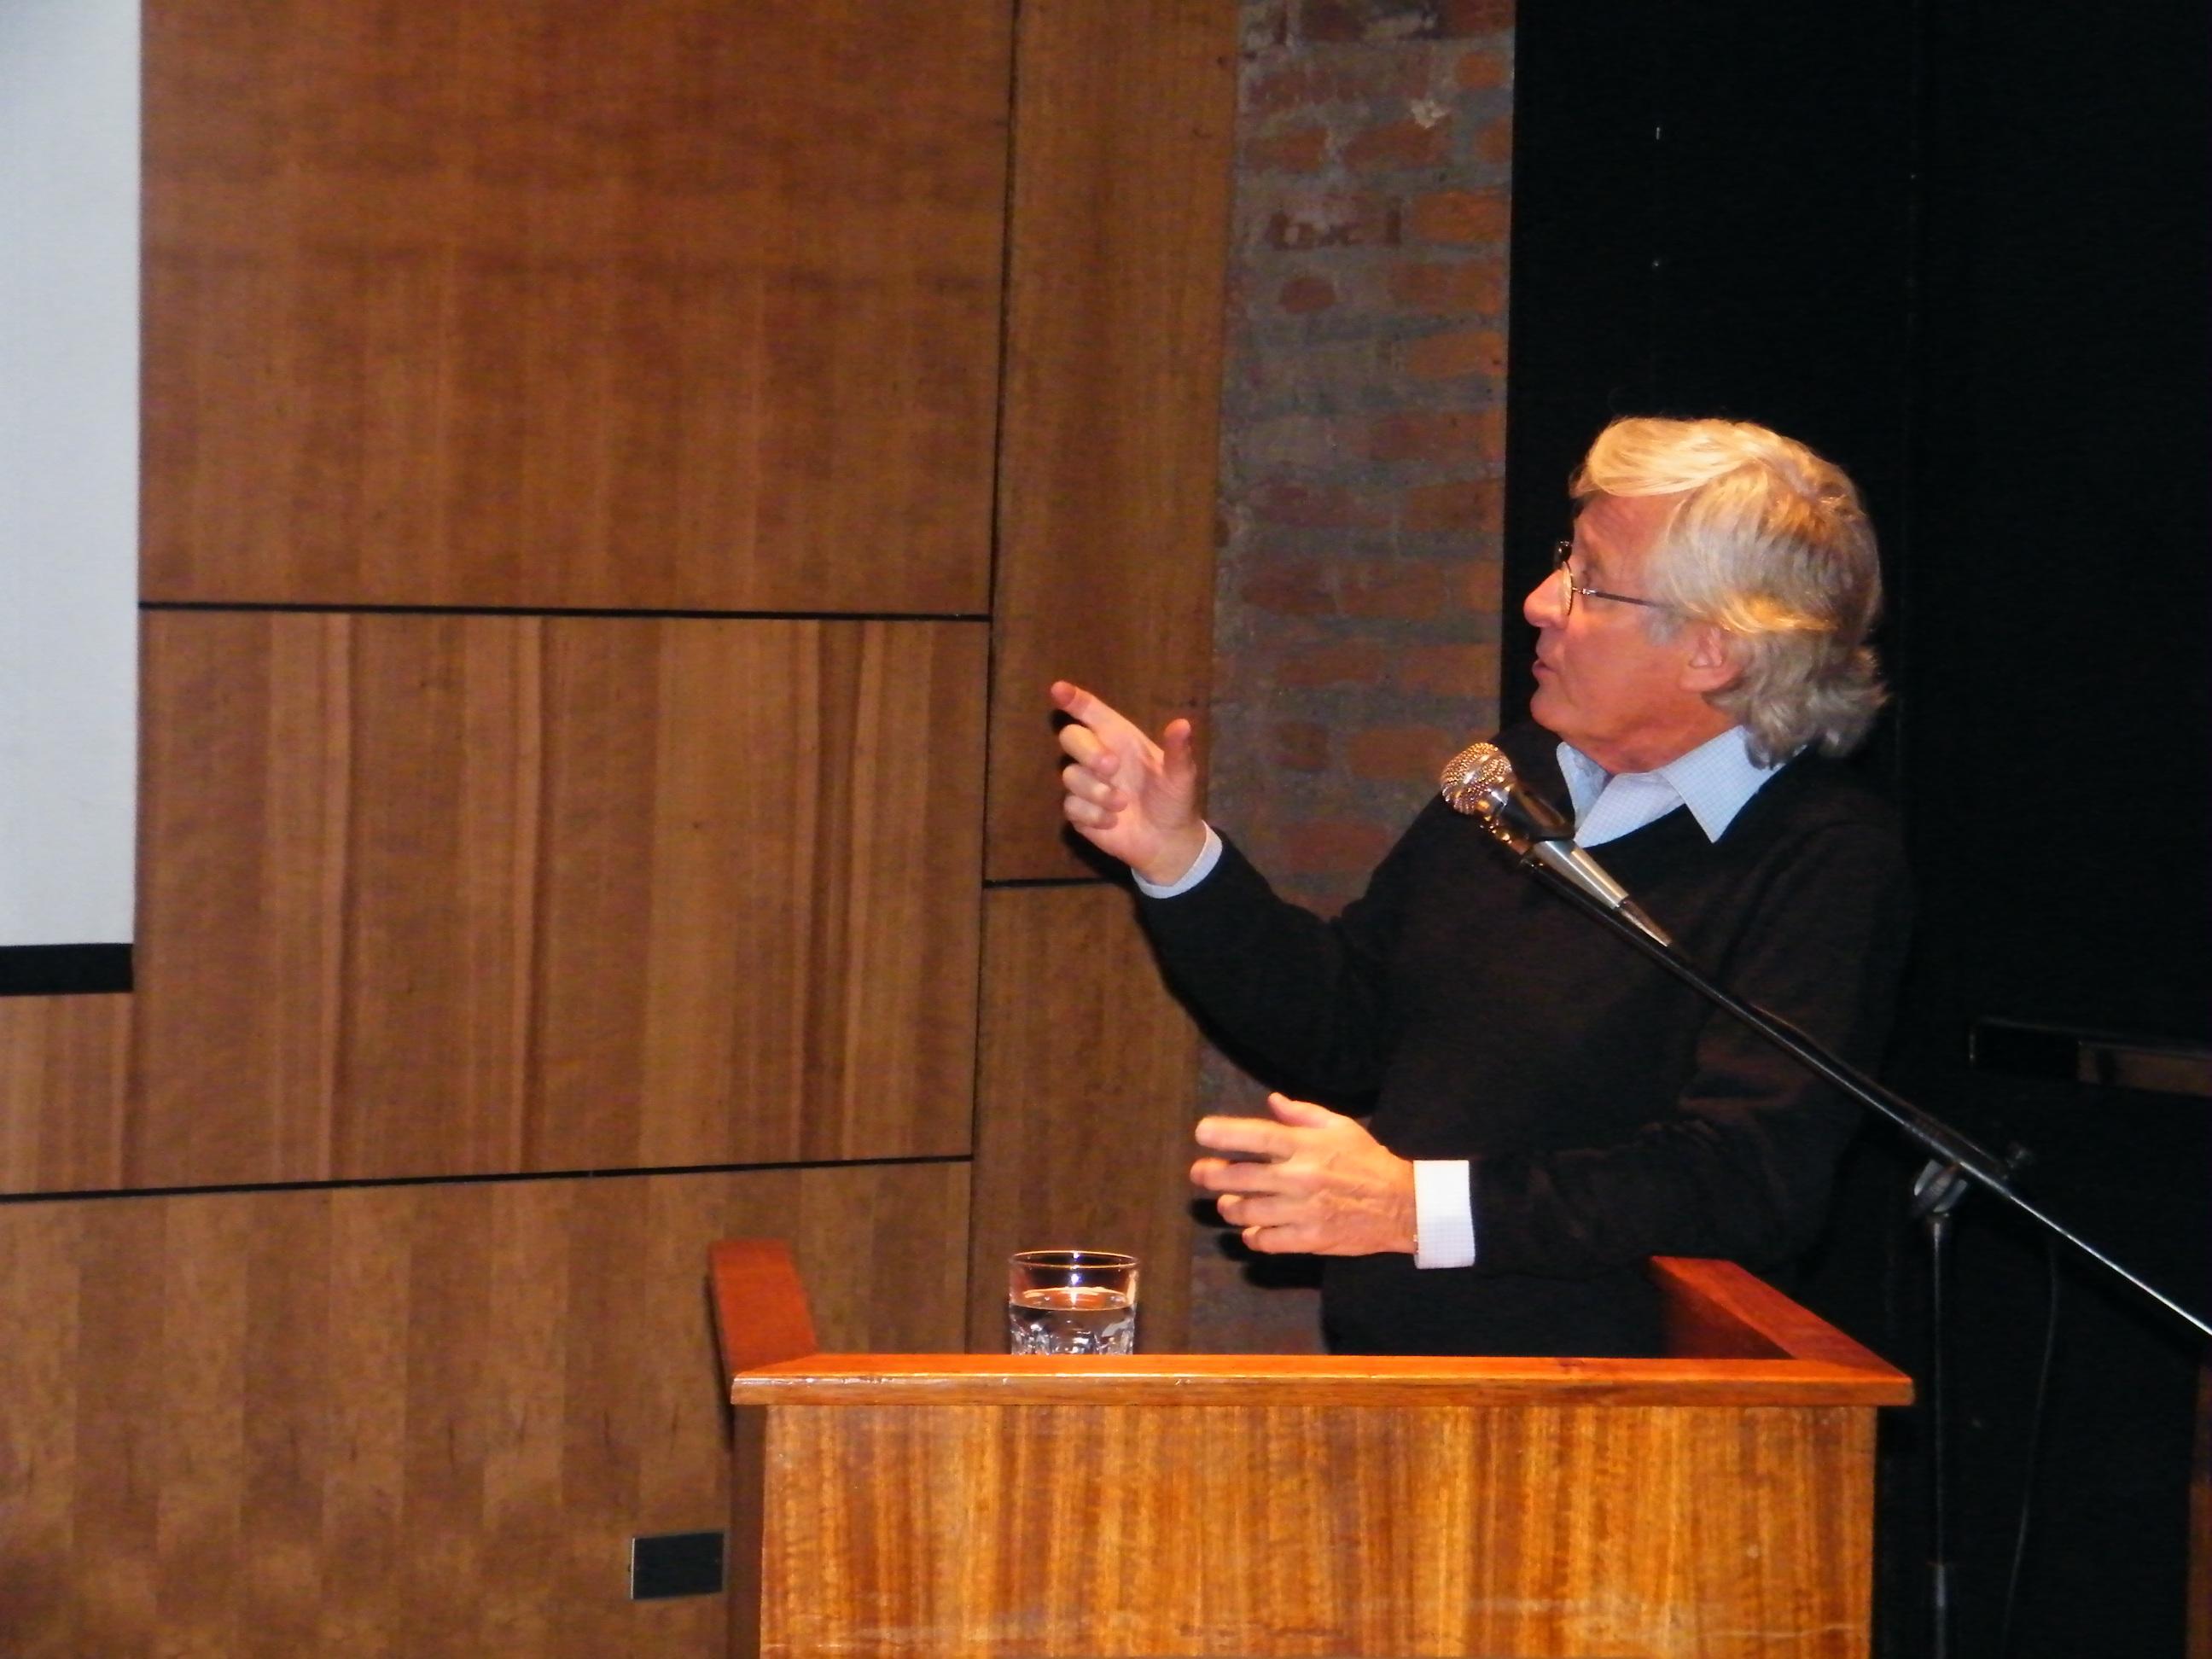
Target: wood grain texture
[1109, 461]
[671, 304]
[1751, 1345]
[1317, 1530]
[1084, 1104]
[761, 1311]
[1716, 1310]
[64, 1076]
[452, 895]
[415, 1421]
[1171, 1379]
[1243, 1505]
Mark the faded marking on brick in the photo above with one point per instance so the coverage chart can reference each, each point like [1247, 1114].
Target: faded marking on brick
[1335, 221]
[1262, 24]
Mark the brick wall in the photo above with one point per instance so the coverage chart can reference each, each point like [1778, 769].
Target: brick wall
[1358, 591]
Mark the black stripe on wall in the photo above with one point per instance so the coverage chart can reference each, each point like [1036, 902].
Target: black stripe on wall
[50, 970]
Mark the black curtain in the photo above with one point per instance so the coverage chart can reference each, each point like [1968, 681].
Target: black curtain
[1961, 249]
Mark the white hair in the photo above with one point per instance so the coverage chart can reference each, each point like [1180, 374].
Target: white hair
[1769, 543]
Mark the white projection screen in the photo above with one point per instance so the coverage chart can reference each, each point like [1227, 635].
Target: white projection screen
[69, 492]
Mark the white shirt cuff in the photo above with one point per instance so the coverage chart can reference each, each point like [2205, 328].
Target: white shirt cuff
[1443, 1213]
[1201, 868]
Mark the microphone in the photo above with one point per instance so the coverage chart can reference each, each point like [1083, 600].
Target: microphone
[1479, 782]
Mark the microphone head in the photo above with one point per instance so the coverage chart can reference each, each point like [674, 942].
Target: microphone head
[1478, 781]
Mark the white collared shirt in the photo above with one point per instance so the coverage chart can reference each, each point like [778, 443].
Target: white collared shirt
[1713, 780]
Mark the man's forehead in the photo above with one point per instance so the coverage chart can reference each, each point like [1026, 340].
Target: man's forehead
[1621, 527]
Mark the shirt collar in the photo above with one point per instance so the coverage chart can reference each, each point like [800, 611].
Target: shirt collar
[1714, 780]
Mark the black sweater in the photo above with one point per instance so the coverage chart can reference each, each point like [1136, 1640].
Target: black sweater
[1611, 1115]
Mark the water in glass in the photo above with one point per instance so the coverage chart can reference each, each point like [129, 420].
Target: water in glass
[1070, 1319]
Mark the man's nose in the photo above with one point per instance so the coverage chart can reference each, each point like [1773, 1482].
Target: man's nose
[1542, 607]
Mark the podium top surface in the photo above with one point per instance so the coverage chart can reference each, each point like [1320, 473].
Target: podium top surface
[1732, 1342]
[1263, 1379]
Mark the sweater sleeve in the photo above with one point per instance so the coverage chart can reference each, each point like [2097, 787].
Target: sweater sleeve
[1301, 1002]
[1741, 1167]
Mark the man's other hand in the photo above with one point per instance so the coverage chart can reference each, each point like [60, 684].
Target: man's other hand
[1327, 1186]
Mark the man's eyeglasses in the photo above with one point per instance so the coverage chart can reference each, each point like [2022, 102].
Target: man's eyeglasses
[1561, 552]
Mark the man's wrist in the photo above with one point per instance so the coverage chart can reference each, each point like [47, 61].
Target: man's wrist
[1194, 869]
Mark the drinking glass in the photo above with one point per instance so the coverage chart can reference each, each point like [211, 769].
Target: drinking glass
[1067, 1302]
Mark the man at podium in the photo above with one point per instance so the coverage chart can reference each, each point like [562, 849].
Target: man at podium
[1544, 1108]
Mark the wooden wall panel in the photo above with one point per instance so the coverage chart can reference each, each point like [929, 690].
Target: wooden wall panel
[1085, 1103]
[671, 304]
[414, 1421]
[1108, 458]
[800, 919]
[65, 1069]
[438, 894]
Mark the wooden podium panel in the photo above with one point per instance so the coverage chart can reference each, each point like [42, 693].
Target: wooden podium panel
[1719, 1503]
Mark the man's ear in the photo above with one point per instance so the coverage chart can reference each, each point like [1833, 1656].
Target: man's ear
[1712, 663]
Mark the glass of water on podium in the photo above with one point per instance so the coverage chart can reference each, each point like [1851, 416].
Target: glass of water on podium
[1069, 1301]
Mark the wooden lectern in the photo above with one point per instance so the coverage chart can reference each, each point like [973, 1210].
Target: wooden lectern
[1716, 1502]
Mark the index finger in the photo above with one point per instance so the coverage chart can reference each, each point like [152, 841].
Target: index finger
[1072, 700]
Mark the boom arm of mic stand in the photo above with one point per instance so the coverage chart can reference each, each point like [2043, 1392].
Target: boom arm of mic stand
[1954, 1150]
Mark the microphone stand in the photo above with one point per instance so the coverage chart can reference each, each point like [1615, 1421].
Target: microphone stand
[1957, 1156]
[1936, 1193]
[1956, 1163]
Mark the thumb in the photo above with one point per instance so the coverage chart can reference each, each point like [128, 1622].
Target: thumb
[1299, 1114]
[1178, 755]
